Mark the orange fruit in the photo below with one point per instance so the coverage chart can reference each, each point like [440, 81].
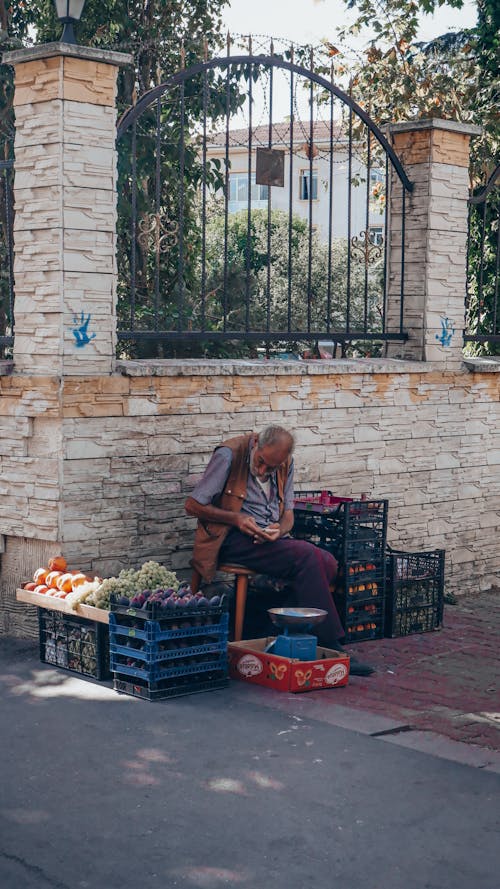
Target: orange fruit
[78, 579]
[41, 588]
[51, 578]
[64, 582]
[58, 563]
[29, 586]
[40, 575]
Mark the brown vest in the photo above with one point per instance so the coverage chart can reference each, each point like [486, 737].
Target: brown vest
[209, 536]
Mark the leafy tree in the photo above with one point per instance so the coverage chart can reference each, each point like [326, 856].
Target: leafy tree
[260, 279]
[162, 37]
[454, 76]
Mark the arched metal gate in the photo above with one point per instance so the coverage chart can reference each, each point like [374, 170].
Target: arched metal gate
[252, 209]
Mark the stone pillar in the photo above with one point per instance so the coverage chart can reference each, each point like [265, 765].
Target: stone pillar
[435, 155]
[65, 204]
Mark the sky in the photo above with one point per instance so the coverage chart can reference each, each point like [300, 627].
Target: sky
[308, 21]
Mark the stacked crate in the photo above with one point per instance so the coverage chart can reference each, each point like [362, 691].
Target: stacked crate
[415, 592]
[74, 643]
[159, 653]
[355, 532]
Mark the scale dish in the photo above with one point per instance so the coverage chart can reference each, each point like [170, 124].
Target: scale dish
[296, 617]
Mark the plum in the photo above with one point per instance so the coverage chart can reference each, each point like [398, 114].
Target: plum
[215, 600]
[123, 600]
[202, 601]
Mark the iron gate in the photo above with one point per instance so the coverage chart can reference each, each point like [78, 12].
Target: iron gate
[238, 222]
[6, 256]
[483, 265]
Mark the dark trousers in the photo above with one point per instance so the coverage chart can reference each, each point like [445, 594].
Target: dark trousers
[308, 570]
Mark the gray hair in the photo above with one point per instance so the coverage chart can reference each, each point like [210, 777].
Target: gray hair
[276, 435]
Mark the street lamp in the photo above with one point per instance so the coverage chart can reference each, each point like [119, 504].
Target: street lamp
[69, 11]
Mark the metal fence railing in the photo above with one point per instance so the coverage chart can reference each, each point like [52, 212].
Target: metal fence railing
[252, 197]
[483, 267]
[6, 257]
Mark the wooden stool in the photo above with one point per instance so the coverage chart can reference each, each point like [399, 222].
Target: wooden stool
[241, 576]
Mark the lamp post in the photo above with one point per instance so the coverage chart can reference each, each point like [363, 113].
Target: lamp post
[68, 12]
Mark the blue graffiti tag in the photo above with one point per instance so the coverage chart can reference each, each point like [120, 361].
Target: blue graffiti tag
[447, 331]
[80, 331]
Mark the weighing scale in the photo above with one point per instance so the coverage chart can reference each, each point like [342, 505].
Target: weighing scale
[296, 623]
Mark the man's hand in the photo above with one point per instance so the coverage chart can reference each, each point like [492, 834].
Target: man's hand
[271, 533]
[247, 525]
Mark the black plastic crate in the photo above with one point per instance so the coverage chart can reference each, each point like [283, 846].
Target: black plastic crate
[359, 598]
[162, 690]
[362, 580]
[414, 592]
[364, 630]
[74, 643]
[349, 529]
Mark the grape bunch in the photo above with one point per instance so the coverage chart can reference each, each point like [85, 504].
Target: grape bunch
[151, 575]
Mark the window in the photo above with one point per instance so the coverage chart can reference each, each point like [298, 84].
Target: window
[376, 235]
[376, 176]
[238, 192]
[304, 179]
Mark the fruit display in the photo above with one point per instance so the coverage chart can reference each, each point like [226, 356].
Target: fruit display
[76, 588]
[57, 581]
[169, 642]
[355, 532]
[360, 598]
[150, 577]
[169, 598]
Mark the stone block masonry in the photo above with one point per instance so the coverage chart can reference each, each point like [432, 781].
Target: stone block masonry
[65, 223]
[99, 467]
[97, 463]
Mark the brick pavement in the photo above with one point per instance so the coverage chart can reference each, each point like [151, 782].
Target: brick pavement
[446, 682]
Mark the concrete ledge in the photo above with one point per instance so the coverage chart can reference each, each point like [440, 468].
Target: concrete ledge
[49, 50]
[483, 365]
[435, 123]
[169, 367]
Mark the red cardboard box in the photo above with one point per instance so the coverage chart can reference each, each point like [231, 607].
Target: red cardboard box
[249, 662]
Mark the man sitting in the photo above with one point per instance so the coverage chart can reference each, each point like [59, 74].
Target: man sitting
[244, 507]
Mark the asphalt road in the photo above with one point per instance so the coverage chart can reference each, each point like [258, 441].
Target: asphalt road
[103, 791]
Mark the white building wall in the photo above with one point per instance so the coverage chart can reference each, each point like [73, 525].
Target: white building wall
[321, 206]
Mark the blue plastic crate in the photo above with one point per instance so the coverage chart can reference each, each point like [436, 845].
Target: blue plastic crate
[151, 653]
[160, 631]
[155, 612]
[155, 672]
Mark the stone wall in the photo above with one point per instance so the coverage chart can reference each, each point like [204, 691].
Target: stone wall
[65, 199]
[132, 445]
